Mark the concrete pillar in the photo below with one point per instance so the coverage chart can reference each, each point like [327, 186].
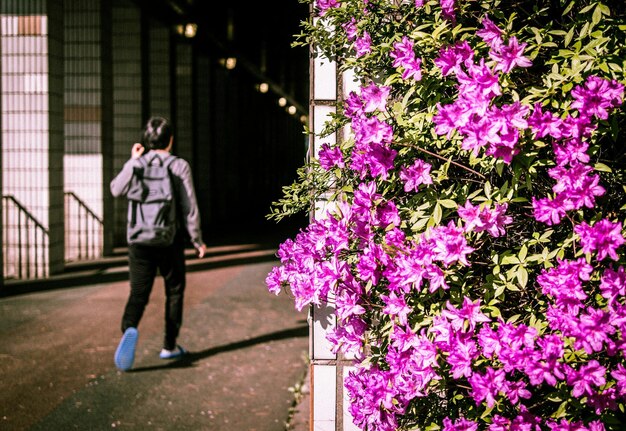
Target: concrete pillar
[127, 95]
[183, 112]
[203, 148]
[32, 137]
[158, 92]
[84, 169]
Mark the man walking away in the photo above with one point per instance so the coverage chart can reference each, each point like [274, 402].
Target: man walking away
[162, 210]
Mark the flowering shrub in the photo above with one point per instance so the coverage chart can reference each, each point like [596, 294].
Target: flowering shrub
[474, 252]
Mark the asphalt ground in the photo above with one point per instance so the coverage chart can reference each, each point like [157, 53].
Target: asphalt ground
[247, 353]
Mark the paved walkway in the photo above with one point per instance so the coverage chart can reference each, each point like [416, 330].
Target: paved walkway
[247, 349]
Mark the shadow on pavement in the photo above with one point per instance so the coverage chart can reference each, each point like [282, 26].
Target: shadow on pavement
[191, 358]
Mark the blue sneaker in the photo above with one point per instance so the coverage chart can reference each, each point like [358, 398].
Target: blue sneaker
[125, 353]
[178, 352]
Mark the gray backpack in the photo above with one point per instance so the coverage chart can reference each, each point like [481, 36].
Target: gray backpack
[152, 203]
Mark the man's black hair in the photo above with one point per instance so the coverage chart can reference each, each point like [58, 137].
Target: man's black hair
[157, 133]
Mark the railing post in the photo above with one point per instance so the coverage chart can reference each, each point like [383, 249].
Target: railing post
[20, 224]
[84, 227]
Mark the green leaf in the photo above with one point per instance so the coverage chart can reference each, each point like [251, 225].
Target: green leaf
[447, 203]
[597, 15]
[522, 253]
[437, 214]
[601, 167]
[569, 7]
[568, 38]
[510, 260]
[522, 276]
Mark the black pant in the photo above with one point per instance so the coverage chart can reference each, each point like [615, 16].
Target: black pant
[143, 264]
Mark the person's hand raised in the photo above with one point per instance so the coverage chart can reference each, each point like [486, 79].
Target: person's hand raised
[201, 251]
[136, 151]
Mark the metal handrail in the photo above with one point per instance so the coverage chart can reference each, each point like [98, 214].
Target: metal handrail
[89, 231]
[26, 230]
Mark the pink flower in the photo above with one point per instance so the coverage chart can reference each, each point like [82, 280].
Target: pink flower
[469, 312]
[590, 374]
[447, 9]
[571, 152]
[485, 219]
[490, 33]
[545, 123]
[564, 283]
[604, 236]
[451, 58]
[613, 284]
[324, 5]
[509, 56]
[415, 175]
[463, 352]
[449, 244]
[396, 307]
[330, 157]
[375, 97]
[485, 387]
[619, 374]
[363, 45]
[460, 424]
[404, 57]
[597, 96]
[549, 211]
[350, 29]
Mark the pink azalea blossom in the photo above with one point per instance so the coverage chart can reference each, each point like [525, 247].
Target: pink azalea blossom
[485, 219]
[545, 123]
[375, 97]
[613, 284]
[485, 387]
[330, 157]
[324, 5]
[396, 307]
[619, 374]
[415, 175]
[490, 33]
[460, 424]
[583, 380]
[363, 45]
[510, 56]
[604, 237]
[597, 96]
[350, 29]
[447, 9]
[549, 211]
[468, 313]
[451, 58]
[404, 57]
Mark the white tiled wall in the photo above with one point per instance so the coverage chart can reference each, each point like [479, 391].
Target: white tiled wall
[324, 398]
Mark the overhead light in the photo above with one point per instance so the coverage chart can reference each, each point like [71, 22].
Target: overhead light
[229, 63]
[282, 102]
[292, 110]
[303, 119]
[190, 30]
[264, 87]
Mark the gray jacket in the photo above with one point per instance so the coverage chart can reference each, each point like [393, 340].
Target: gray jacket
[185, 193]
